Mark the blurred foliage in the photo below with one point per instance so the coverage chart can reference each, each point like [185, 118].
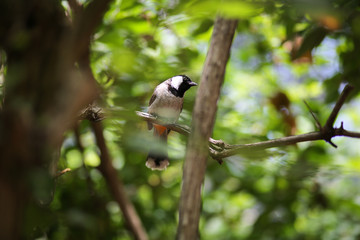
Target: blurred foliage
[299, 49]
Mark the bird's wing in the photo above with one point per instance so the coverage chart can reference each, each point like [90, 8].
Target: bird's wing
[152, 99]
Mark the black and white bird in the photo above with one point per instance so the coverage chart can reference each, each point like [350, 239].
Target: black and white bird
[166, 103]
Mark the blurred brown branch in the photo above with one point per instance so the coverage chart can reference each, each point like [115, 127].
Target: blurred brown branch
[86, 19]
[116, 186]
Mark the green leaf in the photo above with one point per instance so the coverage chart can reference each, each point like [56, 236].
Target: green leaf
[229, 8]
[312, 39]
[204, 26]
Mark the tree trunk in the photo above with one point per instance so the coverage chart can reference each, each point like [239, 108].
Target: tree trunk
[203, 122]
[43, 94]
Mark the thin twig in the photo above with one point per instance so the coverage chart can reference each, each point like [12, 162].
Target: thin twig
[318, 124]
[182, 129]
[62, 172]
[279, 142]
[342, 132]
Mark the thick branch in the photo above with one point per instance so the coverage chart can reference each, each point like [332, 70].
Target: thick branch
[91, 19]
[75, 7]
[87, 20]
[116, 186]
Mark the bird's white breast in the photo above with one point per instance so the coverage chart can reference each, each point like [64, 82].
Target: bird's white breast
[166, 105]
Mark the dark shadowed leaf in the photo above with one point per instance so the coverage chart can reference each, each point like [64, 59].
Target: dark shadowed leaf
[313, 37]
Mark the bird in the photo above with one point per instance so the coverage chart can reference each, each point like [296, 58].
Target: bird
[166, 103]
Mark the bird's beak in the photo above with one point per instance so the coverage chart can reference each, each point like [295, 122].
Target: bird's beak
[193, 84]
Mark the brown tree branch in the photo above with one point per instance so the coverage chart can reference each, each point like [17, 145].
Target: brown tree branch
[85, 21]
[219, 150]
[116, 186]
[328, 129]
[88, 19]
[343, 132]
[339, 103]
[75, 7]
[231, 150]
[203, 123]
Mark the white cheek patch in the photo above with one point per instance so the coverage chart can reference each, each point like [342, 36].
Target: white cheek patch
[176, 81]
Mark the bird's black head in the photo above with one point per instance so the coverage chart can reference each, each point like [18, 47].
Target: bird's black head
[180, 84]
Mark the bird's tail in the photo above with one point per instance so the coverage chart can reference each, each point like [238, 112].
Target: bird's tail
[158, 158]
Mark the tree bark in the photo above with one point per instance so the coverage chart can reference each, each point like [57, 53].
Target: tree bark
[43, 94]
[203, 122]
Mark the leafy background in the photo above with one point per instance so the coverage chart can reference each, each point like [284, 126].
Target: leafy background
[284, 52]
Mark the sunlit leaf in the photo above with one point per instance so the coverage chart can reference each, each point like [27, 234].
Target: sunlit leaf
[228, 8]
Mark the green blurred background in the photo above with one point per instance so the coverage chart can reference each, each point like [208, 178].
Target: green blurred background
[283, 52]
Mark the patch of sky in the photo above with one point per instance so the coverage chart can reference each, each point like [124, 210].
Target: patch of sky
[327, 54]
